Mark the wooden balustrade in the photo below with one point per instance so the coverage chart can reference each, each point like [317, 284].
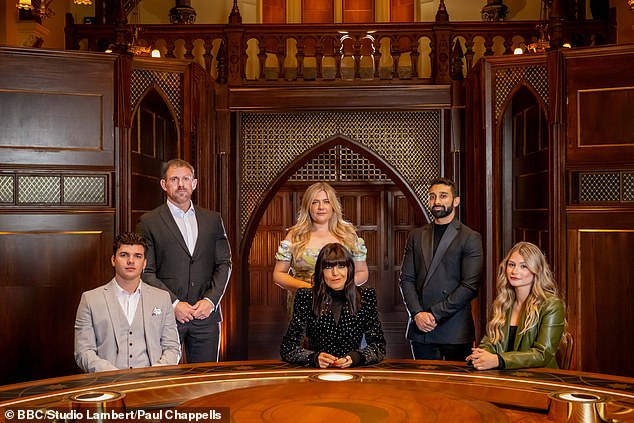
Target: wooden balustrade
[334, 53]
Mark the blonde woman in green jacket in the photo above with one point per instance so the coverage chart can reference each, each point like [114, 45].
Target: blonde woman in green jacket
[528, 316]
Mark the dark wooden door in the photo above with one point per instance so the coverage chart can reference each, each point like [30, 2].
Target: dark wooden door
[154, 141]
[383, 217]
[526, 176]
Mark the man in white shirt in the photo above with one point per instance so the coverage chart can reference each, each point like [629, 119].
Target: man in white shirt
[126, 323]
[189, 257]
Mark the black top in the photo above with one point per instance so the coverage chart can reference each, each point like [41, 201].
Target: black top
[439, 231]
[339, 337]
[512, 334]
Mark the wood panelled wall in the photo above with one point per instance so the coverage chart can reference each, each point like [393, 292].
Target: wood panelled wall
[65, 120]
[57, 213]
[589, 195]
[597, 188]
[66, 176]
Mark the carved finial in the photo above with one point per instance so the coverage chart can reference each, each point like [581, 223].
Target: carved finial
[234, 16]
[441, 13]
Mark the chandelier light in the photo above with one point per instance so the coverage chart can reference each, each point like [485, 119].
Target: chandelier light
[83, 2]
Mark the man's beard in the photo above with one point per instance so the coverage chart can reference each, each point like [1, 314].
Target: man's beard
[440, 213]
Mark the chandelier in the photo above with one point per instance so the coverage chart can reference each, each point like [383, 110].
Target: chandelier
[84, 2]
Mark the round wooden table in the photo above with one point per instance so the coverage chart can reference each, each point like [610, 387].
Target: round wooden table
[391, 391]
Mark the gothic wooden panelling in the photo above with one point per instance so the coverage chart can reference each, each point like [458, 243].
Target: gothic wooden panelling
[599, 149]
[610, 112]
[59, 102]
[600, 98]
[46, 120]
[602, 285]
[44, 273]
[272, 231]
[58, 193]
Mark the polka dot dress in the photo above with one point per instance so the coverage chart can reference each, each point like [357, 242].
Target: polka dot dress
[326, 335]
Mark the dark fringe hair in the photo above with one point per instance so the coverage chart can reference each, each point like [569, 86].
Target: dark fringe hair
[334, 252]
[129, 238]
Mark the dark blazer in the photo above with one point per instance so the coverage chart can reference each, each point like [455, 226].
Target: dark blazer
[444, 284]
[325, 335]
[171, 267]
[538, 346]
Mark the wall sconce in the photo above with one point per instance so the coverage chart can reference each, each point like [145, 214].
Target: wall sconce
[44, 11]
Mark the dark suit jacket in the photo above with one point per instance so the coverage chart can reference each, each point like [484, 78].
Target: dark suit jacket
[538, 346]
[171, 267]
[444, 284]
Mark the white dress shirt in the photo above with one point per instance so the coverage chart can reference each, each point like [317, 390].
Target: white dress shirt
[187, 224]
[129, 302]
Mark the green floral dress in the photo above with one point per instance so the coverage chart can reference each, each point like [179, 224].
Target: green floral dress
[303, 267]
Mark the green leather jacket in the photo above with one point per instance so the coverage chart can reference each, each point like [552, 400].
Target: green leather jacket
[538, 346]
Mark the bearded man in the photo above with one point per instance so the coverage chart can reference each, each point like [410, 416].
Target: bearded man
[440, 275]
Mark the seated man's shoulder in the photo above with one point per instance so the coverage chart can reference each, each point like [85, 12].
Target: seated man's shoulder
[98, 291]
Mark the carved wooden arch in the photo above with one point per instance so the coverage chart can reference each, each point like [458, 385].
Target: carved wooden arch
[508, 101]
[282, 178]
[500, 143]
[155, 87]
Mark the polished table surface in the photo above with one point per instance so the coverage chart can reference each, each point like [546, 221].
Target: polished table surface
[391, 391]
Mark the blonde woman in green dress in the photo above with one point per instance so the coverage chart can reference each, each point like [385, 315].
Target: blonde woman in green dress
[319, 222]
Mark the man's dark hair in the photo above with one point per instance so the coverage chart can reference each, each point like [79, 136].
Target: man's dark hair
[445, 181]
[177, 163]
[129, 238]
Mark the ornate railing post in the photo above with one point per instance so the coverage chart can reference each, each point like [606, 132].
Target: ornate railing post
[442, 46]
[235, 46]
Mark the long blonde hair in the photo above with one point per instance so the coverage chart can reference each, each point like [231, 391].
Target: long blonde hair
[543, 287]
[343, 230]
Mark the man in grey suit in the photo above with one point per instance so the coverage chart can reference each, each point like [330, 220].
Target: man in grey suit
[189, 257]
[125, 323]
[440, 275]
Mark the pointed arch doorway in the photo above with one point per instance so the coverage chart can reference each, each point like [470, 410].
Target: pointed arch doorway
[154, 140]
[374, 198]
[525, 171]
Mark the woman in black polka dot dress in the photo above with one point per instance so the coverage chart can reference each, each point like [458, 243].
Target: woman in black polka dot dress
[334, 315]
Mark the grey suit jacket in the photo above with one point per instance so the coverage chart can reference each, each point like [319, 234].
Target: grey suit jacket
[442, 284]
[98, 318]
[170, 266]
